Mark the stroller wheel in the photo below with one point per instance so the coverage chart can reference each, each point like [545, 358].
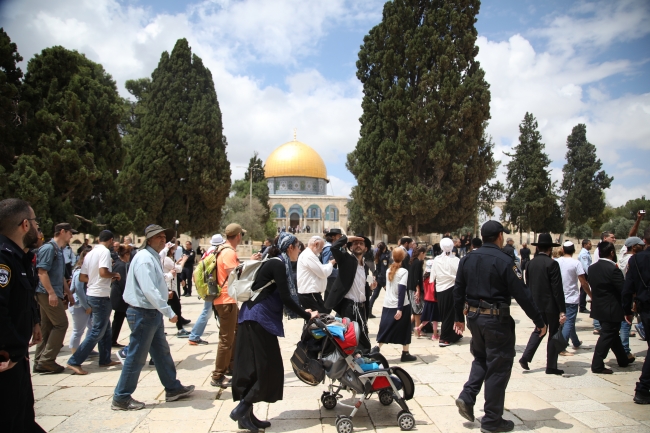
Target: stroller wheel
[329, 401]
[344, 425]
[386, 397]
[405, 421]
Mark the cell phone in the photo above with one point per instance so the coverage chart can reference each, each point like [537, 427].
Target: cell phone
[642, 212]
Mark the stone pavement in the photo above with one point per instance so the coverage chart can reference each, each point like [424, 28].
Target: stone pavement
[534, 401]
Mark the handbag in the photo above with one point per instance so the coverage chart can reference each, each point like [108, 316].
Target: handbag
[559, 342]
[307, 369]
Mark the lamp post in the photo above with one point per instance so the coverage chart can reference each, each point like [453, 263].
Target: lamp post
[176, 228]
[250, 178]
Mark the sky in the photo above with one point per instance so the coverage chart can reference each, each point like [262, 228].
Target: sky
[284, 64]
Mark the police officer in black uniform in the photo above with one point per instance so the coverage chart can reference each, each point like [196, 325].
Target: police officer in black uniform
[637, 282]
[18, 316]
[486, 281]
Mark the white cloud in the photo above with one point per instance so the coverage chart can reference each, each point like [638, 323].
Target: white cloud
[618, 194]
[339, 187]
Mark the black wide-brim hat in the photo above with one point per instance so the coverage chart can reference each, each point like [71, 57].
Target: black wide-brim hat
[545, 240]
[365, 240]
[334, 232]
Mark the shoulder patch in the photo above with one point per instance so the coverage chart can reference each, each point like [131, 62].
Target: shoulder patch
[5, 275]
[517, 271]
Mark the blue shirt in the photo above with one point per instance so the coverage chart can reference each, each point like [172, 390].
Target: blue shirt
[50, 259]
[145, 283]
[585, 259]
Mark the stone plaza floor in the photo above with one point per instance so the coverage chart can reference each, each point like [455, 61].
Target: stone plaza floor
[582, 402]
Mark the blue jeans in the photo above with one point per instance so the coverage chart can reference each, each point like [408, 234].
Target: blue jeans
[147, 336]
[569, 329]
[596, 324]
[625, 336]
[99, 333]
[201, 322]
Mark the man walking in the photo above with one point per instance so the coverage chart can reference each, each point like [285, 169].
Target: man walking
[18, 316]
[573, 280]
[637, 282]
[53, 296]
[486, 281]
[188, 269]
[312, 276]
[326, 255]
[524, 252]
[585, 260]
[97, 271]
[146, 293]
[544, 279]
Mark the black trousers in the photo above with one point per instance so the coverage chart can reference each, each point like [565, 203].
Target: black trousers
[644, 381]
[608, 339]
[186, 276]
[375, 294]
[583, 297]
[446, 307]
[313, 302]
[175, 303]
[493, 347]
[17, 400]
[118, 321]
[356, 312]
[552, 321]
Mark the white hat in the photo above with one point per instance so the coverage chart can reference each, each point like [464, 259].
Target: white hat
[567, 244]
[216, 240]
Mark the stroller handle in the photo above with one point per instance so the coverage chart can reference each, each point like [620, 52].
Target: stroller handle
[320, 324]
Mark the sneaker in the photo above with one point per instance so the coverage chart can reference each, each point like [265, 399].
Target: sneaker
[130, 404]
[444, 343]
[506, 425]
[121, 355]
[199, 342]
[222, 382]
[642, 397]
[407, 357]
[179, 393]
[183, 334]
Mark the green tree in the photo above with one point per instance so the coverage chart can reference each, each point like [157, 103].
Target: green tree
[11, 109]
[358, 220]
[422, 156]
[584, 181]
[620, 226]
[72, 150]
[176, 167]
[238, 210]
[242, 187]
[531, 203]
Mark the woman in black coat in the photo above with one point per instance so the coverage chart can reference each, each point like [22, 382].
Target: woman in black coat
[415, 292]
[382, 260]
[120, 266]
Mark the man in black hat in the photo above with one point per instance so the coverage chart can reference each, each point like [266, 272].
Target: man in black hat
[326, 255]
[350, 294]
[486, 281]
[544, 278]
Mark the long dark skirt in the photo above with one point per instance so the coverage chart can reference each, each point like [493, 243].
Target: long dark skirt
[430, 312]
[395, 331]
[446, 305]
[259, 373]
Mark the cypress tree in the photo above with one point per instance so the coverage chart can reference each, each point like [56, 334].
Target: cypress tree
[177, 167]
[11, 108]
[422, 156]
[531, 203]
[584, 181]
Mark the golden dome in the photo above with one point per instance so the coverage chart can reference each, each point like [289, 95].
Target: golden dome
[295, 159]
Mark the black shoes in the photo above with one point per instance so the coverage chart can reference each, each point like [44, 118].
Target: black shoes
[372, 316]
[506, 425]
[465, 410]
[242, 414]
[524, 364]
[407, 357]
[554, 371]
[179, 393]
[130, 404]
[584, 310]
[642, 397]
[603, 370]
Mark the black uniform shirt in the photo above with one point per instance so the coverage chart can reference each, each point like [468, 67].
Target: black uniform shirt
[17, 305]
[190, 258]
[491, 275]
[637, 281]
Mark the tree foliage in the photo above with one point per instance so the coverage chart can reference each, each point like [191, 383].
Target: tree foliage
[177, 167]
[238, 210]
[422, 156]
[584, 181]
[357, 219]
[531, 203]
[11, 109]
[242, 187]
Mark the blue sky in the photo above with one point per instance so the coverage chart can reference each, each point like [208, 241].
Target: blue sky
[289, 63]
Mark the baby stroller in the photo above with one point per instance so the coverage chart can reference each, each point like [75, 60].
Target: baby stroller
[328, 347]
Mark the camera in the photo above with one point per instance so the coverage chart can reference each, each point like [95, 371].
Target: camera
[642, 212]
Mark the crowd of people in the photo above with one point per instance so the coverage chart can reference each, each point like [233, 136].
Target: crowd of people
[436, 289]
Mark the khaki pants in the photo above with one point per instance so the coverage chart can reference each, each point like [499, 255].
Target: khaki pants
[228, 314]
[54, 324]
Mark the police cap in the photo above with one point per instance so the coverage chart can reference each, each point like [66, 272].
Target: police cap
[492, 228]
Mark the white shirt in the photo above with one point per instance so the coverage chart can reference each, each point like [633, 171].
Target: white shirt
[623, 262]
[571, 269]
[168, 264]
[443, 271]
[357, 292]
[392, 288]
[99, 257]
[312, 274]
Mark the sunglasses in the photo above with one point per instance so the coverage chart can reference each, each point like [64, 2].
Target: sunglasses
[37, 219]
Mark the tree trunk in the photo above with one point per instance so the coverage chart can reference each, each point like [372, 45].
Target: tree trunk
[521, 236]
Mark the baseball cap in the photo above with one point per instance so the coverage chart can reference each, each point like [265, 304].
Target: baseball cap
[492, 228]
[216, 240]
[234, 229]
[66, 227]
[632, 241]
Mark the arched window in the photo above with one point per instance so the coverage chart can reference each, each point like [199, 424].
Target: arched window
[313, 212]
[278, 211]
[296, 208]
[331, 213]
